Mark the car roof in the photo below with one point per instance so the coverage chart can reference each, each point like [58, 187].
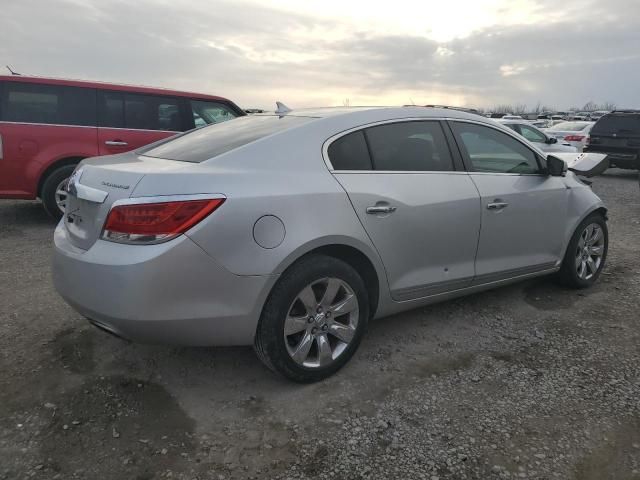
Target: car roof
[375, 113]
[107, 86]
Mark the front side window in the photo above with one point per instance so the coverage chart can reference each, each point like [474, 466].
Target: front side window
[532, 134]
[48, 104]
[490, 150]
[206, 112]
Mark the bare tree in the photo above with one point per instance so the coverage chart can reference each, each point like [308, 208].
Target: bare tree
[346, 102]
[608, 106]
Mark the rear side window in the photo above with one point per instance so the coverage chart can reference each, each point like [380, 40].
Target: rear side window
[417, 146]
[140, 112]
[206, 143]
[48, 104]
[490, 150]
[618, 123]
[206, 113]
[409, 146]
[350, 152]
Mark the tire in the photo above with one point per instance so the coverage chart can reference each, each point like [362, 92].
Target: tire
[49, 188]
[575, 256]
[313, 277]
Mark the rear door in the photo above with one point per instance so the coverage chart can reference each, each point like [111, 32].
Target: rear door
[420, 211]
[524, 210]
[128, 121]
[617, 134]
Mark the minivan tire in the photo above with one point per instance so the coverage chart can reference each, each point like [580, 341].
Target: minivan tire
[568, 273]
[49, 186]
[270, 343]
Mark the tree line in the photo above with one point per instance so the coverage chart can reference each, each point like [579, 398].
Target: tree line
[518, 109]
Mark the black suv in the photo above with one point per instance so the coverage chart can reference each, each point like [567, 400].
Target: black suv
[617, 134]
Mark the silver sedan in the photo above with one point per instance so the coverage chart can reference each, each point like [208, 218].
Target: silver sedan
[290, 231]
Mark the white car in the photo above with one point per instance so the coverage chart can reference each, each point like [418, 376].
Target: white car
[536, 136]
[574, 133]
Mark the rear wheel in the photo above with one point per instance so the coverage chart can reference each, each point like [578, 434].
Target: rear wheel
[586, 254]
[53, 193]
[313, 320]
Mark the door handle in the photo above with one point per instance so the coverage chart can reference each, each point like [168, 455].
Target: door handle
[380, 209]
[116, 143]
[497, 205]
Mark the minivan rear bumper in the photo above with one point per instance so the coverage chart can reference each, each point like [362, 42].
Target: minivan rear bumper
[171, 293]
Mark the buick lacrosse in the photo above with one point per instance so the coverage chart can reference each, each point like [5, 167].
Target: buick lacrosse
[290, 231]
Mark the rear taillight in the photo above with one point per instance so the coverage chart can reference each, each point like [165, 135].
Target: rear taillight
[156, 222]
[573, 138]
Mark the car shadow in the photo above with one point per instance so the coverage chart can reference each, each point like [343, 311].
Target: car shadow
[15, 214]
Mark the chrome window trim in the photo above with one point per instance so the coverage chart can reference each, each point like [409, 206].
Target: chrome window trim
[89, 126]
[327, 143]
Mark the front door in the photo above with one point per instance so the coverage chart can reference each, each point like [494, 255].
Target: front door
[422, 216]
[524, 210]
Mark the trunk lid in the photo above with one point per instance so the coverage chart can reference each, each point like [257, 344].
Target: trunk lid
[97, 184]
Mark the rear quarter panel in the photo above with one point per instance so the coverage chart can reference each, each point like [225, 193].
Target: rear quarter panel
[29, 149]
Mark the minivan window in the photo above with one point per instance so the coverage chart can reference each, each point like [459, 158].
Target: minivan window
[409, 146]
[206, 143]
[206, 113]
[140, 112]
[493, 151]
[48, 104]
[350, 152]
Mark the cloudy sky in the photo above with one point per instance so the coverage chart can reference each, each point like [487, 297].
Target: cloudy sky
[321, 52]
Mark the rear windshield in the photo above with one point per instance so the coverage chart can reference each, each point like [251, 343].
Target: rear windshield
[208, 142]
[618, 124]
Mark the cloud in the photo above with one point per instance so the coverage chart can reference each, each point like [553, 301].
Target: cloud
[515, 52]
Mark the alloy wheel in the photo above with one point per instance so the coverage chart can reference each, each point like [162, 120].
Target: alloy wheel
[589, 251]
[321, 322]
[61, 195]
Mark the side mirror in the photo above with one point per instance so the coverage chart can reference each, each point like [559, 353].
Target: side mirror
[556, 167]
[551, 140]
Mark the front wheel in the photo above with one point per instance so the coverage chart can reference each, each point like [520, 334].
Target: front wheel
[586, 254]
[313, 320]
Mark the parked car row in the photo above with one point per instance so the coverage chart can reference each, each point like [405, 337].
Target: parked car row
[48, 126]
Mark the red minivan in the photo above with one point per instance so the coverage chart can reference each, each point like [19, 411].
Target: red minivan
[47, 126]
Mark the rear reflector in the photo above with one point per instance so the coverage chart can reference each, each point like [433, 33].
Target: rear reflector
[574, 138]
[142, 223]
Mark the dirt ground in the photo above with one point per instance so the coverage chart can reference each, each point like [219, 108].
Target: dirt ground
[527, 381]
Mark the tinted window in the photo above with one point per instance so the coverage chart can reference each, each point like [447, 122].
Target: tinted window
[409, 146]
[206, 113]
[140, 112]
[350, 152]
[49, 104]
[205, 143]
[532, 134]
[618, 123]
[493, 151]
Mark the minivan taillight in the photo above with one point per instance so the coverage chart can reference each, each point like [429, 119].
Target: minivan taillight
[144, 223]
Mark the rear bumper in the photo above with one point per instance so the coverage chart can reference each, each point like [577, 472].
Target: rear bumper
[168, 293]
[626, 159]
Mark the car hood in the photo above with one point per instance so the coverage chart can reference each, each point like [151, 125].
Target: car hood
[584, 164]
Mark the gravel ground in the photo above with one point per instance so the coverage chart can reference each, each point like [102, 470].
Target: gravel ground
[528, 381]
